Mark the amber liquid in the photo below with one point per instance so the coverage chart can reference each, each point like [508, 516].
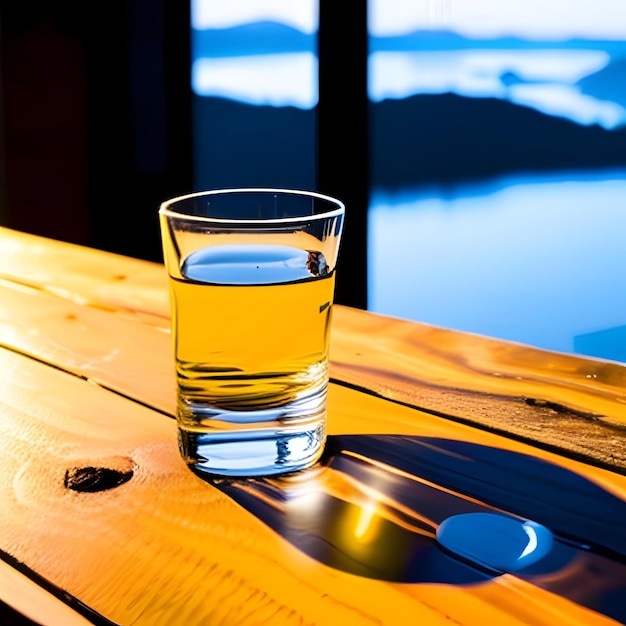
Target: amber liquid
[251, 345]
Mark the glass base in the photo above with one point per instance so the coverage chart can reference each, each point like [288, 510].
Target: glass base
[263, 442]
[251, 453]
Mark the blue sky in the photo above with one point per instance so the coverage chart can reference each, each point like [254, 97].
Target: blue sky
[531, 19]
[300, 14]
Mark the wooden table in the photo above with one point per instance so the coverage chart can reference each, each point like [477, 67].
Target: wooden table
[101, 521]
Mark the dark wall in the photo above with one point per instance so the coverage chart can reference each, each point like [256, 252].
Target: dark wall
[95, 113]
[44, 106]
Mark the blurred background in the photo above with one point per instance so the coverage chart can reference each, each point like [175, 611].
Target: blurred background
[480, 146]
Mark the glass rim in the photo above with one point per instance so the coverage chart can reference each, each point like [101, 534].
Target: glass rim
[167, 210]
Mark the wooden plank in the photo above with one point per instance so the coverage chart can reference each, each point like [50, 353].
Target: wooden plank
[562, 402]
[162, 546]
[422, 353]
[116, 283]
[29, 603]
[115, 351]
[572, 404]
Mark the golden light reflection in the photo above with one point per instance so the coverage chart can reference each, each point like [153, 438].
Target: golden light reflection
[366, 515]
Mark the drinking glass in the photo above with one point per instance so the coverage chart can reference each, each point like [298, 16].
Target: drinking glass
[252, 276]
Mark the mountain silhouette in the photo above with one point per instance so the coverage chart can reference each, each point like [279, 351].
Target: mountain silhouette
[446, 138]
[609, 83]
[251, 39]
[242, 145]
[449, 40]
[424, 139]
[268, 36]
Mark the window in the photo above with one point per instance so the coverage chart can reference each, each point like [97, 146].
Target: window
[498, 200]
[255, 89]
[480, 147]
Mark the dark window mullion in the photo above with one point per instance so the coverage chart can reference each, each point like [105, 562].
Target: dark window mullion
[343, 160]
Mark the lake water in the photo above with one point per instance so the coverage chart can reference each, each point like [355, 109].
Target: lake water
[539, 260]
[545, 80]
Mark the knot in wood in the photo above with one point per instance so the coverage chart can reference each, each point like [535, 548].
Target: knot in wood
[94, 479]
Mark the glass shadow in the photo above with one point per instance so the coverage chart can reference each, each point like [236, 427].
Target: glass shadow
[427, 510]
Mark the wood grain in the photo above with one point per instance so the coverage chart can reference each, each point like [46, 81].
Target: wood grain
[166, 548]
[564, 402]
[98, 503]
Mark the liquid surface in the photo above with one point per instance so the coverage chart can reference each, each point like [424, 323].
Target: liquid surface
[251, 332]
[253, 265]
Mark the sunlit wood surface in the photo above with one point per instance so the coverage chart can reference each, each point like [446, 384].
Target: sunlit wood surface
[101, 521]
